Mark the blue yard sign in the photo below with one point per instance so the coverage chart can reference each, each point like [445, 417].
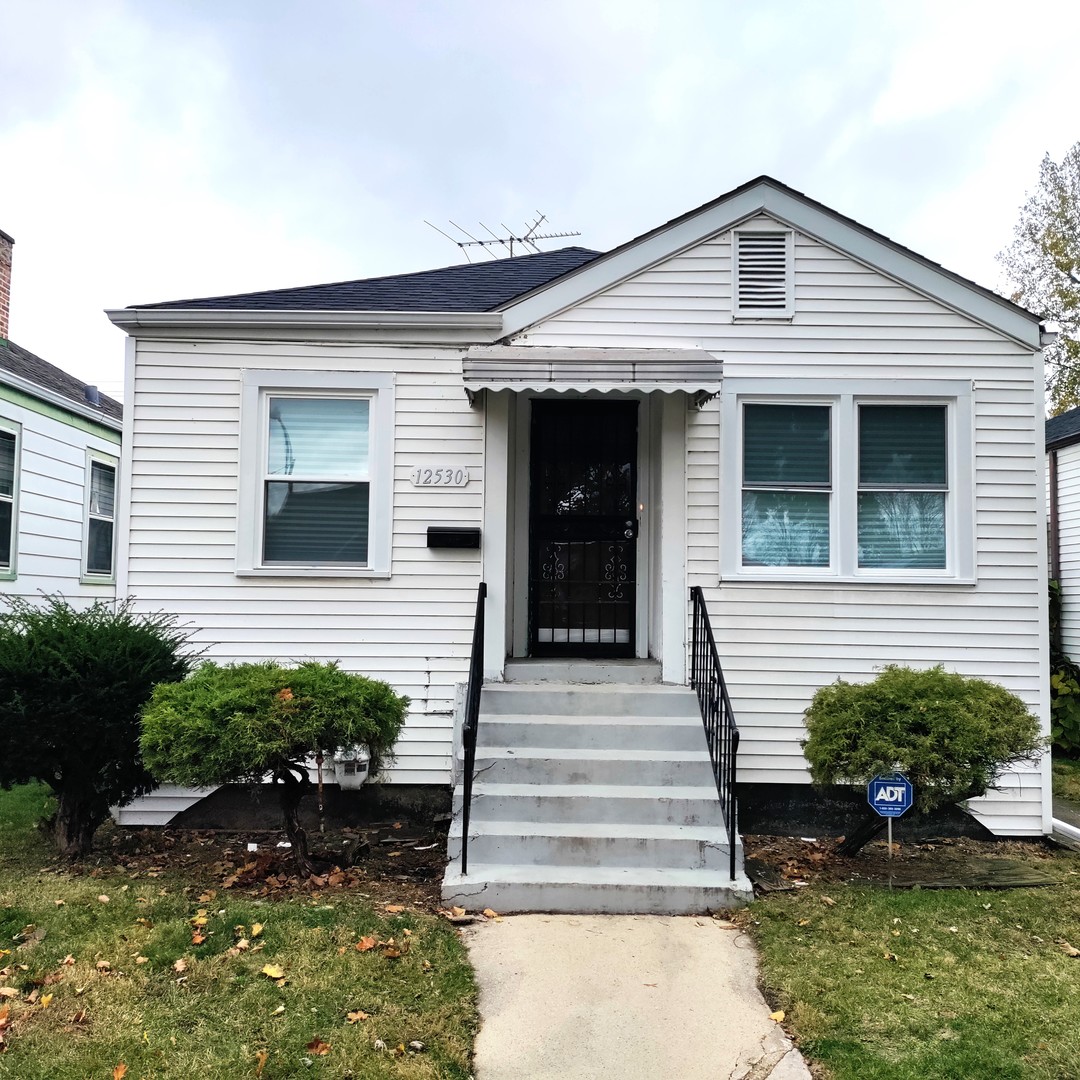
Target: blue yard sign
[890, 795]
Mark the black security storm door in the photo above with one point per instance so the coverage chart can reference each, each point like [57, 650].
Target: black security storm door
[582, 528]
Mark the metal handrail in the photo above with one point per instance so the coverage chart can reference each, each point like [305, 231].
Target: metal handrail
[472, 720]
[721, 731]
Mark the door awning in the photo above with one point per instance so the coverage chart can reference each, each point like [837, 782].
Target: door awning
[566, 368]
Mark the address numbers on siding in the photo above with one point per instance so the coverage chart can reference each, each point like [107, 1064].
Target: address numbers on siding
[440, 476]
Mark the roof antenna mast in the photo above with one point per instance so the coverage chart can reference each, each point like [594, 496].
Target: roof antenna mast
[528, 239]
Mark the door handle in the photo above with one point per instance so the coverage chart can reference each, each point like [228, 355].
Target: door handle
[631, 530]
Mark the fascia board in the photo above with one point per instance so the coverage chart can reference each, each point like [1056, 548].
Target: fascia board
[32, 389]
[208, 318]
[937, 284]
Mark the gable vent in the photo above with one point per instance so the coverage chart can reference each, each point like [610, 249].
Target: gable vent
[763, 285]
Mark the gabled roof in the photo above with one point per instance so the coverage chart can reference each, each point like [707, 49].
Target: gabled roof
[1063, 430]
[466, 287]
[28, 368]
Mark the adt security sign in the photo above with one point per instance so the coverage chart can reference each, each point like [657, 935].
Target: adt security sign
[890, 795]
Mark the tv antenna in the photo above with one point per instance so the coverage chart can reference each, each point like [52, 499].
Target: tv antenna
[527, 240]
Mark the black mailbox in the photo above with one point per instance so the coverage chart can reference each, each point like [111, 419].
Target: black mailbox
[452, 536]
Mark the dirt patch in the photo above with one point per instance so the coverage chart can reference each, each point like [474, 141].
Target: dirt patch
[782, 862]
[391, 862]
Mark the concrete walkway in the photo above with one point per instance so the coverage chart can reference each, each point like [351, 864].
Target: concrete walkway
[626, 997]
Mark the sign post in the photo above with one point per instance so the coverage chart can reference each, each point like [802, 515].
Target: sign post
[890, 795]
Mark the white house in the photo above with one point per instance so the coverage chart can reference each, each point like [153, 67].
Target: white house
[838, 441]
[59, 455]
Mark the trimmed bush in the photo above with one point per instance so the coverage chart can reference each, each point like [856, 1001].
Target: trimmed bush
[949, 735]
[72, 682]
[239, 722]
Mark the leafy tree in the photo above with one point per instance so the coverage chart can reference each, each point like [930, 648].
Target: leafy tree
[949, 735]
[239, 722]
[72, 682]
[1043, 263]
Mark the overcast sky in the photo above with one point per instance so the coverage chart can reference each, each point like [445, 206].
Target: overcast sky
[159, 149]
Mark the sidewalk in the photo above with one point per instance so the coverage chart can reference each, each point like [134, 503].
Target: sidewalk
[625, 997]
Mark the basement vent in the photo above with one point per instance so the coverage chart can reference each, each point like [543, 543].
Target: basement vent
[763, 275]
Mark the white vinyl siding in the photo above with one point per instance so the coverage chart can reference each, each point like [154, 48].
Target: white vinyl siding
[780, 641]
[50, 499]
[1068, 513]
[412, 629]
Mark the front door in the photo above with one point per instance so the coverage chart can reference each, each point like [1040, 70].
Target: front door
[583, 528]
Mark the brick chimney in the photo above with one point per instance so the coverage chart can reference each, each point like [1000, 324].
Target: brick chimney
[6, 244]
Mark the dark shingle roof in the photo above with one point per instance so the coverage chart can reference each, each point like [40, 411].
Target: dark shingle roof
[1064, 429]
[469, 287]
[26, 365]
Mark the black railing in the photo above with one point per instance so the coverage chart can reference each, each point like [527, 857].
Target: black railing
[721, 731]
[472, 721]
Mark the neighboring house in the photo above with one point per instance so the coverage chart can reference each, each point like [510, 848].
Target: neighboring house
[839, 441]
[59, 456]
[1063, 483]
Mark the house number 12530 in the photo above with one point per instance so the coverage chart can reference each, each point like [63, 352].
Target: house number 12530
[439, 476]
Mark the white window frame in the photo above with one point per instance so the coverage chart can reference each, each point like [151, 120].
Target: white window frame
[845, 397]
[93, 577]
[12, 427]
[256, 389]
[756, 314]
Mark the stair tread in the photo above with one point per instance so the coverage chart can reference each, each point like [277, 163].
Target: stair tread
[591, 720]
[589, 875]
[629, 791]
[602, 829]
[575, 753]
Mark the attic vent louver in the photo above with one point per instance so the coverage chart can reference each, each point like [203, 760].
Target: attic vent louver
[763, 275]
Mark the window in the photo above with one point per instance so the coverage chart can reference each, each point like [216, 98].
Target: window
[763, 259]
[9, 493]
[850, 484]
[787, 485]
[315, 473]
[903, 486]
[100, 517]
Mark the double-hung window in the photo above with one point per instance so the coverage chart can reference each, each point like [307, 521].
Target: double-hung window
[9, 495]
[847, 484]
[98, 563]
[315, 473]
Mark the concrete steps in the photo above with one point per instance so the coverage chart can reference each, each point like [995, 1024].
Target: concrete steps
[593, 797]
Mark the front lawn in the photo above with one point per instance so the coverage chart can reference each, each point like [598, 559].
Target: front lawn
[169, 974]
[928, 984]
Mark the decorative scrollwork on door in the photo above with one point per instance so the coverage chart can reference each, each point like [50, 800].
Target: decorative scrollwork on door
[616, 571]
[554, 569]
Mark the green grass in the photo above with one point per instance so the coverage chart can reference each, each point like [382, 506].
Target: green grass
[1066, 772]
[212, 1018]
[928, 984]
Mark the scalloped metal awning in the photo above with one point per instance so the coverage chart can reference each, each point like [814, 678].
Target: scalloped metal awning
[564, 368]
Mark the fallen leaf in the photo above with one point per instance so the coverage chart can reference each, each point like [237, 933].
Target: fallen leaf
[103, 965]
[828, 901]
[80, 1017]
[1068, 949]
[366, 943]
[426, 965]
[119, 1072]
[200, 918]
[803, 922]
[8, 992]
[394, 909]
[103, 899]
[261, 1056]
[489, 914]
[417, 1047]
[207, 896]
[180, 966]
[59, 903]
[778, 1016]
[273, 971]
[278, 1011]
[142, 959]
[256, 929]
[46, 1000]
[317, 1046]
[68, 960]
[144, 922]
[356, 1017]
[891, 956]
[457, 911]
[197, 937]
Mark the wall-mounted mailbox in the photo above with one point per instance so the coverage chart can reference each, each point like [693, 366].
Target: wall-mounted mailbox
[452, 536]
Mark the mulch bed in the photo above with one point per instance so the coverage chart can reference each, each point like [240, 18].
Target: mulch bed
[781, 862]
